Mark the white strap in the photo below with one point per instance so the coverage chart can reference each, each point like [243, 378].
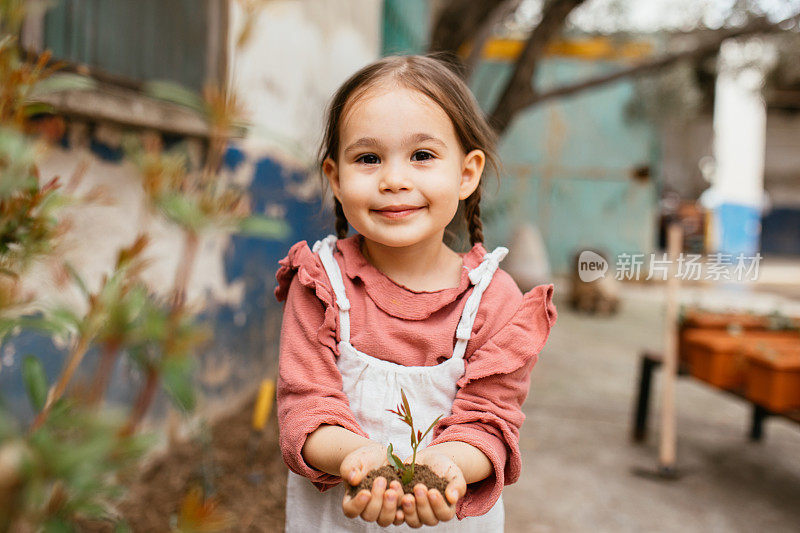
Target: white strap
[480, 276]
[324, 248]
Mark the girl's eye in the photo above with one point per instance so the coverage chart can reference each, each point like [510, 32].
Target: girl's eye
[369, 159]
[422, 155]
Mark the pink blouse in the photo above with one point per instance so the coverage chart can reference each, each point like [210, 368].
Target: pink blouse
[408, 327]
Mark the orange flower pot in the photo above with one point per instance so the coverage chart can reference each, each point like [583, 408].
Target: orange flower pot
[718, 357]
[773, 377]
[697, 319]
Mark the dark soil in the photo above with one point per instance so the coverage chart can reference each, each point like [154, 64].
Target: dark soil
[246, 472]
[422, 474]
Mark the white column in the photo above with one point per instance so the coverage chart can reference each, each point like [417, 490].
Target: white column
[739, 141]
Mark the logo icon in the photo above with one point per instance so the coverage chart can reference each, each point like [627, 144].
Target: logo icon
[591, 266]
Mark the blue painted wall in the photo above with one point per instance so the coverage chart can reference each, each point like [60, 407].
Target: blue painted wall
[568, 165]
[246, 336]
[406, 25]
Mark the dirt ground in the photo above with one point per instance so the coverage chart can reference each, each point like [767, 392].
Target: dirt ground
[246, 472]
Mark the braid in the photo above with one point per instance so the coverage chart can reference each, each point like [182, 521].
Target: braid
[342, 225]
[472, 214]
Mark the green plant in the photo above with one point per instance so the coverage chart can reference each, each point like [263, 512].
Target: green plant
[403, 411]
[72, 463]
[72, 467]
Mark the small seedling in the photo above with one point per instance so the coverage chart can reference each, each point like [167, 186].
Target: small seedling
[403, 411]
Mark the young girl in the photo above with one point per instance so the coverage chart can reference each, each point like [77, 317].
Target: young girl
[394, 307]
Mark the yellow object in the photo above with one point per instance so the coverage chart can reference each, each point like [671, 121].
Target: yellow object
[266, 395]
[586, 48]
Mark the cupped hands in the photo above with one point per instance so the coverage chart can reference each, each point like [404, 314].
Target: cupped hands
[380, 504]
[388, 505]
[428, 506]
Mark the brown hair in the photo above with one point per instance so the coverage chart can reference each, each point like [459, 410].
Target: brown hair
[434, 76]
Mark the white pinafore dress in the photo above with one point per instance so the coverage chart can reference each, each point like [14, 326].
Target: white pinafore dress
[372, 386]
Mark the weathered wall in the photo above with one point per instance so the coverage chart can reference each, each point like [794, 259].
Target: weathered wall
[568, 166]
[406, 25]
[298, 54]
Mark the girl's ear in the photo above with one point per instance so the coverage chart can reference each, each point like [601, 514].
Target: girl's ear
[471, 172]
[331, 171]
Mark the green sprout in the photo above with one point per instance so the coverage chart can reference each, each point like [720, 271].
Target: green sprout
[403, 411]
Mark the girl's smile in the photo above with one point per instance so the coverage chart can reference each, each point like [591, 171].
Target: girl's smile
[398, 211]
[401, 171]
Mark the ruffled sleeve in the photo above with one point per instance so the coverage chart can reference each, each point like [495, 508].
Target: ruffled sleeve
[519, 341]
[487, 410]
[309, 391]
[300, 261]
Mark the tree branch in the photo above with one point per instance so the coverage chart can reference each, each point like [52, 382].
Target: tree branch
[484, 32]
[518, 90]
[458, 21]
[704, 49]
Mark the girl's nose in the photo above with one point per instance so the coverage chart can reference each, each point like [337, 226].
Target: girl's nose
[394, 179]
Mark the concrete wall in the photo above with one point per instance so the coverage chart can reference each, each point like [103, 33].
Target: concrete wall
[683, 147]
[782, 164]
[297, 56]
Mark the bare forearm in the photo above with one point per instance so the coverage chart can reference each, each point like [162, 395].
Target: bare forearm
[327, 446]
[473, 463]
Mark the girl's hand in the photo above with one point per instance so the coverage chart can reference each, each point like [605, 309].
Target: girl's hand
[429, 506]
[380, 504]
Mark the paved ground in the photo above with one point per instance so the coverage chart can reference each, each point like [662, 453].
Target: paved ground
[578, 459]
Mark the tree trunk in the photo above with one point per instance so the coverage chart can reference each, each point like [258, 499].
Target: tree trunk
[458, 22]
[484, 33]
[519, 88]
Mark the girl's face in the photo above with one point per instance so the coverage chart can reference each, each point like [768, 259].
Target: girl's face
[400, 170]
